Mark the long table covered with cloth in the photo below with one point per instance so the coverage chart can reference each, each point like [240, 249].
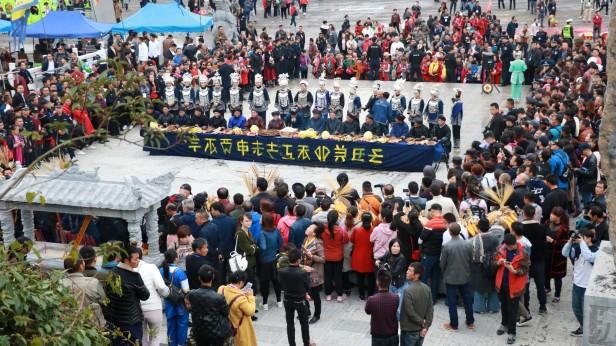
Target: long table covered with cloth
[402, 157]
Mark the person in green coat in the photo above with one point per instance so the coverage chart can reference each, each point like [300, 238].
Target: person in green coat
[247, 246]
[517, 69]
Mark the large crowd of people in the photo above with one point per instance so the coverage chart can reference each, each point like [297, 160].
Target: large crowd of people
[402, 251]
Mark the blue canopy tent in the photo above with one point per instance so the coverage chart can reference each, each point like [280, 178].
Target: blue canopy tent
[168, 17]
[67, 24]
[5, 26]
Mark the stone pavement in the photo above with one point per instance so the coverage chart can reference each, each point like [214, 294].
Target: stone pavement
[344, 324]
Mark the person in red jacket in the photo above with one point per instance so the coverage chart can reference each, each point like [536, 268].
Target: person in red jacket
[596, 25]
[361, 258]
[511, 278]
[334, 239]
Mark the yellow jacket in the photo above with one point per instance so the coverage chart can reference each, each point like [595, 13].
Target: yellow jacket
[434, 67]
[241, 311]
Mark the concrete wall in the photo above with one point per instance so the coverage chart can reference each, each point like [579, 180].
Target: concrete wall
[600, 300]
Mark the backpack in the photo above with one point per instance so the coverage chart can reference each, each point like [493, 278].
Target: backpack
[476, 210]
[176, 295]
[234, 328]
[566, 170]
[487, 261]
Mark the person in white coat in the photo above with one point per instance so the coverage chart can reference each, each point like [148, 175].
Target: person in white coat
[153, 307]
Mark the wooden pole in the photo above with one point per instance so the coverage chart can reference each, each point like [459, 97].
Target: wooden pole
[81, 234]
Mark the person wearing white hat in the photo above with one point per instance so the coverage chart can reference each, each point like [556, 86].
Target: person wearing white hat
[354, 99]
[322, 97]
[259, 98]
[217, 101]
[336, 100]
[398, 101]
[284, 98]
[201, 95]
[303, 100]
[185, 88]
[567, 31]
[171, 94]
[416, 104]
[434, 108]
[235, 96]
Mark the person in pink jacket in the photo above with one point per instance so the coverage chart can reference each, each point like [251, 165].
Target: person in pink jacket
[382, 234]
[284, 225]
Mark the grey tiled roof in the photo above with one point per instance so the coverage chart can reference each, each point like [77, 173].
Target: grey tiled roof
[85, 189]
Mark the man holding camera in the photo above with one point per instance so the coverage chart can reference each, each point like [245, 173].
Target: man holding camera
[581, 250]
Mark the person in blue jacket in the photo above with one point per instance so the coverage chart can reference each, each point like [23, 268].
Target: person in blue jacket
[457, 111]
[399, 129]
[269, 246]
[294, 120]
[316, 122]
[559, 162]
[177, 315]
[381, 110]
[237, 120]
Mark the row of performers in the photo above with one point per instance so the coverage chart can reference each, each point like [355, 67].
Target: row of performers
[213, 96]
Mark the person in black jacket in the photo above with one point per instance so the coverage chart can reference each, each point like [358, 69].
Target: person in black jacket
[432, 244]
[195, 261]
[395, 262]
[497, 121]
[442, 133]
[587, 174]
[123, 312]
[554, 198]
[409, 227]
[209, 311]
[521, 189]
[374, 54]
[295, 282]
[536, 233]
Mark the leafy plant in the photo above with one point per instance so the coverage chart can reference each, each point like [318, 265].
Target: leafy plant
[36, 309]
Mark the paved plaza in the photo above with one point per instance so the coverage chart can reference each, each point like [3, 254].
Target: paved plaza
[346, 323]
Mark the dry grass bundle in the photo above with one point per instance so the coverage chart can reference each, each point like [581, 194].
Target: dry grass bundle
[500, 196]
[250, 178]
[503, 215]
[340, 195]
[5, 157]
[470, 222]
[53, 164]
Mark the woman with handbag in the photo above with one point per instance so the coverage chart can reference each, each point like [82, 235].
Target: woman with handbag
[175, 311]
[245, 245]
